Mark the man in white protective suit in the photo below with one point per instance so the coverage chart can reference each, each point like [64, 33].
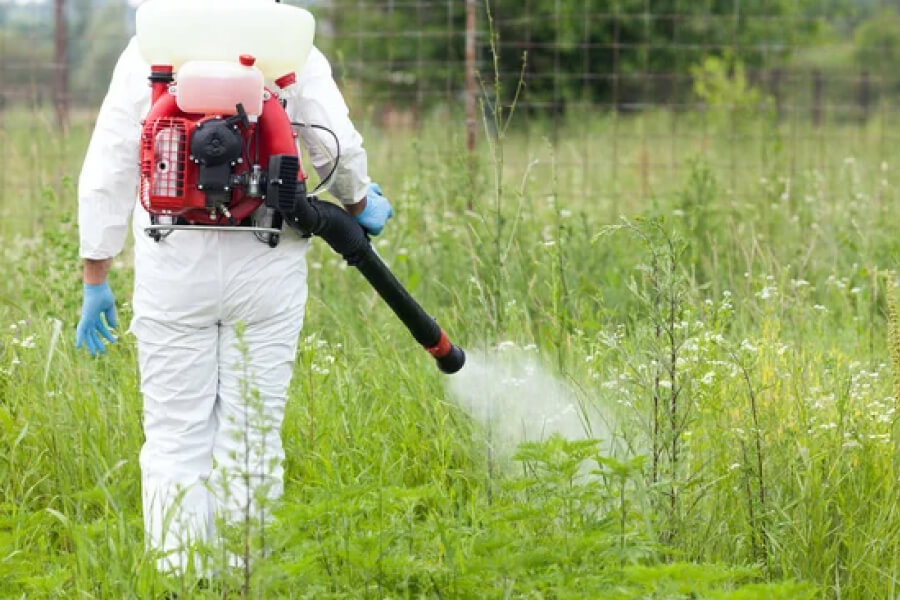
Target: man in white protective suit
[192, 292]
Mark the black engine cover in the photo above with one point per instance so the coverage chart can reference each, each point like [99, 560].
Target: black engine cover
[216, 147]
[216, 142]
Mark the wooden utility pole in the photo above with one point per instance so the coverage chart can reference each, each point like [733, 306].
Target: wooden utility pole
[471, 83]
[61, 78]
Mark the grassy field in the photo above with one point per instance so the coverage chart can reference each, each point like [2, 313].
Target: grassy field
[731, 333]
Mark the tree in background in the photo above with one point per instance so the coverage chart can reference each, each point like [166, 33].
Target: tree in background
[27, 67]
[105, 35]
[877, 42]
[97, 31]
[26, 45]
[578, 50]
[405, 53]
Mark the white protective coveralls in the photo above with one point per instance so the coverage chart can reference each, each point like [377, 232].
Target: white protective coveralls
[191, 292]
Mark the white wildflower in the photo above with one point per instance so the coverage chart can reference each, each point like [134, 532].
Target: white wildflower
[767, 292]
[319, 370]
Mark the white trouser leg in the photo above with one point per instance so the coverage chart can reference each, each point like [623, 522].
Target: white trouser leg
[178, 380]
[255, 370]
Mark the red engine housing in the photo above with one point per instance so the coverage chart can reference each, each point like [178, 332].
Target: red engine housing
[169, 177]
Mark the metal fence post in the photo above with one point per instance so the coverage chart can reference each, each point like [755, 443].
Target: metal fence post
[471, 84]
[818, 88]
[865, 96]
[61, 78]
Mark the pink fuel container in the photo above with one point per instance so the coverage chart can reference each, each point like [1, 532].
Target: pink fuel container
[217, 87]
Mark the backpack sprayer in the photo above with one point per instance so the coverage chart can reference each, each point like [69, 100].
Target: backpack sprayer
[218, 146]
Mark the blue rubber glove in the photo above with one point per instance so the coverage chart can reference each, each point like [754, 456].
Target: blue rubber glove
[98, 300]
[377, 211]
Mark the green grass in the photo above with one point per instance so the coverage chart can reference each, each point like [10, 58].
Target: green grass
[734, 326]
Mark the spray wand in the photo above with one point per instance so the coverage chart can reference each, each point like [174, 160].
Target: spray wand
[311, 216]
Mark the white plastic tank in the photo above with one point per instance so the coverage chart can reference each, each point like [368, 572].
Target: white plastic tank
[172, 32]
[217, 87]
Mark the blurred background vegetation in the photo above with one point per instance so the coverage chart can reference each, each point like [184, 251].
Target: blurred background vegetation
[798, 81]
[623, 54]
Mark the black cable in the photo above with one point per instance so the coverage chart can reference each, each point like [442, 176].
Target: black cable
[337, 158]
[325, 181]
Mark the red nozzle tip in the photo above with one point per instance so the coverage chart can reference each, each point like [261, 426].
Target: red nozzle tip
[162, 68]
[442, 348]
[247, 60]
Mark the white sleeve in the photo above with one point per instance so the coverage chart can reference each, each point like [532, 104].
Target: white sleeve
[318, 100]
[107, 187]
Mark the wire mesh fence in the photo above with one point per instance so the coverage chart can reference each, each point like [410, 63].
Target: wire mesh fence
[618, 98]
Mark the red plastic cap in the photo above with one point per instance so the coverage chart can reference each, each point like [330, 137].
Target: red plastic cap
[286, 80]
[161, 68]
[248, 60]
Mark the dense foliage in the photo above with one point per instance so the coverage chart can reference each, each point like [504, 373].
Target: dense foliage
[411, 53]
[618, 53]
